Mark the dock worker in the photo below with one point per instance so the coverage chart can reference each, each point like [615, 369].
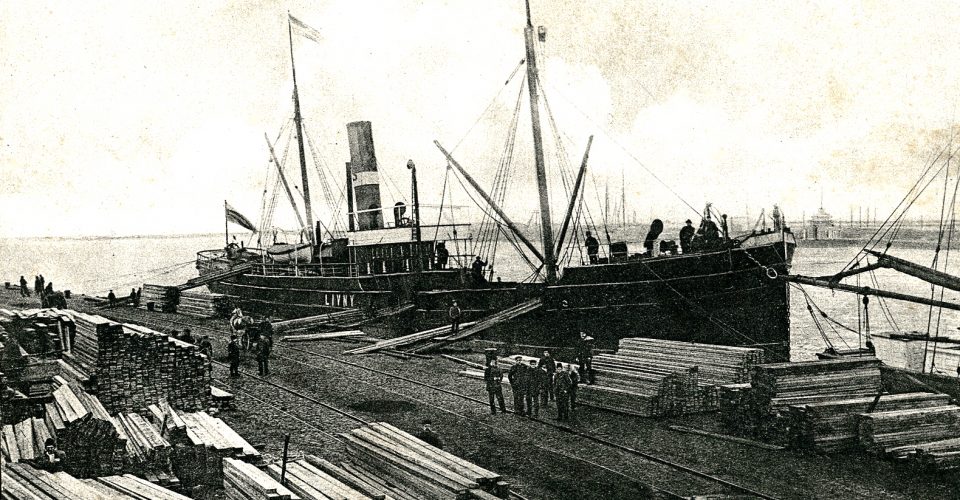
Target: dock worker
[427, 435]
[206, 347]
[454, 314]
[593, 247]
[493, 376]
[563, 384]
[187, 336]
[476, 270]
[574, 385]
[532, 386]
[686, 236]
[42, 283]
[24, 291]
[264, 346]
[516, 377]
[133, 297]
[585, 357]
[233, 356]
[52, 459]
[112, 297]
[442, 255]
[37, 285]
[136, 302]
[547, 363]
[47, 292]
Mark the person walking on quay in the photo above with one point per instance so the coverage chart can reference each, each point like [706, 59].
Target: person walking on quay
[136, 301]
[264, 346]
[43, 284]
[429, 436]
[548, 363]
[233, 356]
[574, 385]
[187, 336]
[24, 291]
[517, 377]
[563, 385]
[133, 297]
[493, 376]
[454, 314]
[37, 285]
[206, 347]
[533, 388]
[112, 297]
[585, 357]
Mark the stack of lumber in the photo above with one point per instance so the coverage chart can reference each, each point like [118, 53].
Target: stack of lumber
[203, 304]
[732, 400]
[82, 356]
[91, 440]
[21, 482]
[941, 455]
[407, 339]
[148, 453]
[200, 444]
[307, 337]
[717, 364]
[160, 298]
[763, 410]
[320, 320]
[243, 481]
[832, 425]
[890, 431]
[392, 455]
[25, 440]
[314, 478]
[138, 366]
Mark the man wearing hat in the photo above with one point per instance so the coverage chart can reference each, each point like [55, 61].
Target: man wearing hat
[593, 247]
[686, 236]
[427, 435]
[233, 355]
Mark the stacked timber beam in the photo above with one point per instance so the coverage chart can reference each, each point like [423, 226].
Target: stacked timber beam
[148, 453]
[21, 482]
[407, 339]
[347, 318]
[717, 364]
[243, 481]
[385, 452]
[92, 441]
[160, 298]
[897, 432]
[200, 444]
[763, 409]
[833, 425]
[204, 304]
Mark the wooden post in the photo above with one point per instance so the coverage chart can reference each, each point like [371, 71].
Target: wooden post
[283, 467]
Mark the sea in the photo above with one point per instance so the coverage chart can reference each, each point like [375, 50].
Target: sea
[819, 317]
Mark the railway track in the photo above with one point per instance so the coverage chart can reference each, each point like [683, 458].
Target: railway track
[397, 385]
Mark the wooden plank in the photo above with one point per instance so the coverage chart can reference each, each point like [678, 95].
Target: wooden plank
[369, 489]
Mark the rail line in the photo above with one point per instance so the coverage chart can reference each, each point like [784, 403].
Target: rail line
[578, 433]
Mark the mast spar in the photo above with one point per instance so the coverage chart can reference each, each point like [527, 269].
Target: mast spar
[303, 159]
[546, 226]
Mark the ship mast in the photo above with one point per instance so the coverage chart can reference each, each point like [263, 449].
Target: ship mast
[546, 227]
[303, 159]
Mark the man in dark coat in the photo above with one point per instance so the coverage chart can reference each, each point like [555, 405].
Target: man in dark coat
[532, 386]
[547, 362]
[585, 357]
[442, 255]
[263, 354]
[493, 376]
[112, 297]
[233, 356]
[516, 377]
[133, 297]
[563, 385]
[686, 236]
[574, 385]
[476, 269]
[454, 314]
[206, 347]
[593, 247]
[187, 336]
[24, 291]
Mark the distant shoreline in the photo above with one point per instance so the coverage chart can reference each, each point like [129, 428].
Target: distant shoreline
[127, 237]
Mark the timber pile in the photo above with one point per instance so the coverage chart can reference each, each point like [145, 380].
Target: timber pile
[347, 318]
[717, 364]
[763, 409]
[307, 337]
[200, 444]
[204, 305]
[160, 298]
[84, 352]
[621, 386]
[382, 451]
[22, 482]
[243, 481]
[311, 483]
[25, 440]
[941, 455]
[148, 453]
[407, 339]
[832, 426]
[891, 431]
[90, 439]
[138, 367]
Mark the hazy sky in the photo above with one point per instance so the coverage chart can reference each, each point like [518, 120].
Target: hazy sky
[142, 117]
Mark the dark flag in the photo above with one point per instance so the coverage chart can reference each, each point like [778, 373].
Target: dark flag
[237, 218]
[303, 29]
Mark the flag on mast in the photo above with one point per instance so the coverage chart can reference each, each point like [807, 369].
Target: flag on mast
[303, 29]
[237, 218]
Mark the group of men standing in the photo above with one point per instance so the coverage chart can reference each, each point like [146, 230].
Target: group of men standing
[538, 382]
[256, 337]
[44, 290]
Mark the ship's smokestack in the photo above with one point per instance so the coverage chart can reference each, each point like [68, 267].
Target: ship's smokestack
[364, 176]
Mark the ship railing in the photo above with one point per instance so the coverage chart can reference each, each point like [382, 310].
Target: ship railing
[320, 270]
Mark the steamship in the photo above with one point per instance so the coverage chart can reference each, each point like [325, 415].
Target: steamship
[726, 291]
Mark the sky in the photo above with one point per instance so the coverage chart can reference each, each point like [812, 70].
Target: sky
[123, 118]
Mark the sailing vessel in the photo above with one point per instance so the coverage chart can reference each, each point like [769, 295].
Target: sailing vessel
[723, 289]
